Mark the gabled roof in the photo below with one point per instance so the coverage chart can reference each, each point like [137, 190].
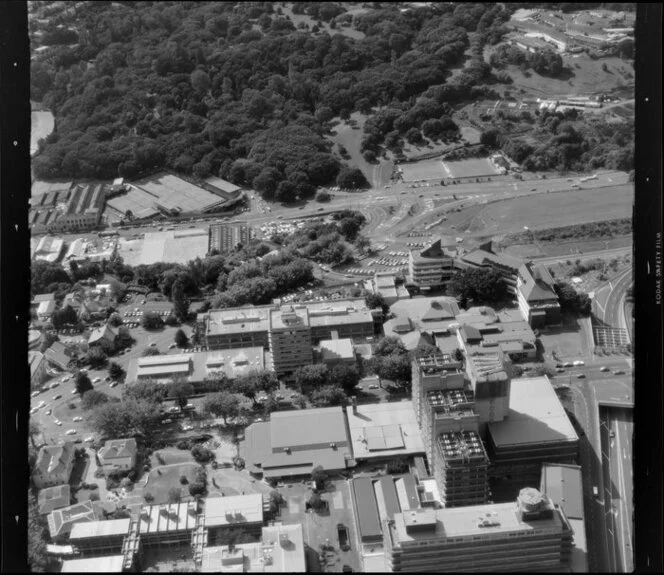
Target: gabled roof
[470, 333]
[105, 332]
[118, 448]
[58, 354]
[54, 458]
[60, 521]
[53, 498]
[438, 311]
[537, 283]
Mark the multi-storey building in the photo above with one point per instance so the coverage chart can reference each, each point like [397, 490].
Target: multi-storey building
[99, 537]
[484, 257]
[290, 339]
[491, 387]
[529, 535]
[445, 412]
[536, 296]
[431, 267]
[249, 326]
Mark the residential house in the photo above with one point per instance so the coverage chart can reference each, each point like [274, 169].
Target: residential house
[104, 337]
[43, 306]
[53, 498]
[118, 455]
[58, 355]
[60, 521]
[37, 368]
[54, 464]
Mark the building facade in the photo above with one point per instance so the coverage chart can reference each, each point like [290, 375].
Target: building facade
[530, 535]
[430, 267]
[536, 296]
[53, 466]
[290, 340]
[118, 455]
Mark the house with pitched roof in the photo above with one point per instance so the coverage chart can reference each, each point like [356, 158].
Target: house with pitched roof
[61, 521]
[536, 296]
[54, 464]
[58, 355]
[118, 455]
[53, 498]
[37, 368]
[104, 337]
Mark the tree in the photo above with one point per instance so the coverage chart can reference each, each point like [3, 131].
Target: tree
[181, 391]
[181, 339]
[37, 530]
[180, 300]
[254, 382]
[377, 301]
[319, 477]
[458, 354]
[310, 377]
[93, 398]
[128, 418]
[115, 320]
[149, 498]
[316, 502]
[323, 197]
[174, 494]
[223, 403]
[395, 368]
[197, 489]
[328, 395]
[144, 391]
[83, 383]
[390, 346]
[116, 372]
[478, 285]
[345, 376]
[151, 320]
[96, 357]
[351, 178]
[148, 351]
[397, 465]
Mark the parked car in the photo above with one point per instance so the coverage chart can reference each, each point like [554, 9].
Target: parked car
[153, 344]
[618, 372]
[167, 420]
[48, 412]
[568, 364]
[96, 380]
[578, 362]
[73, 391]
[54, 385]
[89, 439]
[34, 394]
[58, 422]
[581, 376]
[604, 368]
[560, 370]
[34, 410]
[70, 432]
[612, 433]
[78, 418]
[56, 397]
[374, 386]
[114, 383]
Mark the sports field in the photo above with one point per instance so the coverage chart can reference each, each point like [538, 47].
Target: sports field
[469, 168]
[423, 170]
[544, 211]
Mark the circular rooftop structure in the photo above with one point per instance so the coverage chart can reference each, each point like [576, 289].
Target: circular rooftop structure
[530, 498]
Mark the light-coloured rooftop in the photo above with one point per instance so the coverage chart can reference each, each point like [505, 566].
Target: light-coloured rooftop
[109, 564]
[463, 521]
[535, 415]
[289, 317]
[336, 349]
[167, 517]
[384, 429]
[238, 320]
[99, 529]
[237, 509]
[310, 427]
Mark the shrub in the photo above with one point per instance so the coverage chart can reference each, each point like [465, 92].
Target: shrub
[197, 488]
[183, 480]
[132, 475]
[201, 454]
[99, 473]
[127, 483]
[323, 196]
[183, 444]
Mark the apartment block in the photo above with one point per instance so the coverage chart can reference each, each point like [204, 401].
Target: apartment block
[531, 534]
[290, 339]
[490, 385]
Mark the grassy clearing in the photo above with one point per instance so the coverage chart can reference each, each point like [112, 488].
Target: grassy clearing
[325, 27]
[588, 77]
[161, 479]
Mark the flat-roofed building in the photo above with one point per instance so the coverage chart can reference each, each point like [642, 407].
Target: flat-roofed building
[384, 284]
[110, 564]
[52, 498]
[563, 484]
[431, 267]
[337, 352]
[281, 550]
[382, 431]
[484, 257]
[99, 537]
[532, 535]
[225, 238]
[289, 338]
[535, 431]
[166, 525]
[224, 513]
[348, 318]
[292, 443]
[491, 386]
[54, 464]
[536, 296]
[234, 328]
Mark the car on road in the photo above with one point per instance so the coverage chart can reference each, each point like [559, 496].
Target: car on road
[34, 394]
[578, 362]
[78, 418]
[568, 364]
[89, 439]
[54, 384]
[34, 410]
[581, 376]
[73, 391]
[604, 368]
[173, 345]
[66, 378]
[58, 422]
[618, 372]
[70, 432]
[55, 397]
[258, 419]
[96, 380]
[374, 386]
[153, 344]
[48, 412]
[114, 383]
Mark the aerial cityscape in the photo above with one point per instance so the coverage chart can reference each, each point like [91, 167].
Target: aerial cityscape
[331, 287]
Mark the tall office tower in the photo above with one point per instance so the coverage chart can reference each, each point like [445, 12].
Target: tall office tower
[290, 340]
[445, 412]
[532, 535]
[491, 387]
[431, 267]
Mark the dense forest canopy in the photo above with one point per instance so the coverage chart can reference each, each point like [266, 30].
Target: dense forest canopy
[235, 89]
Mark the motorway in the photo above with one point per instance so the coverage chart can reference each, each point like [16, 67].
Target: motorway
[609, 300]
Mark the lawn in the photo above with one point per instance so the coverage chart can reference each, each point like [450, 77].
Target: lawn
[161, 479]
[469, 168]
[545, 211]
[423, 170]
